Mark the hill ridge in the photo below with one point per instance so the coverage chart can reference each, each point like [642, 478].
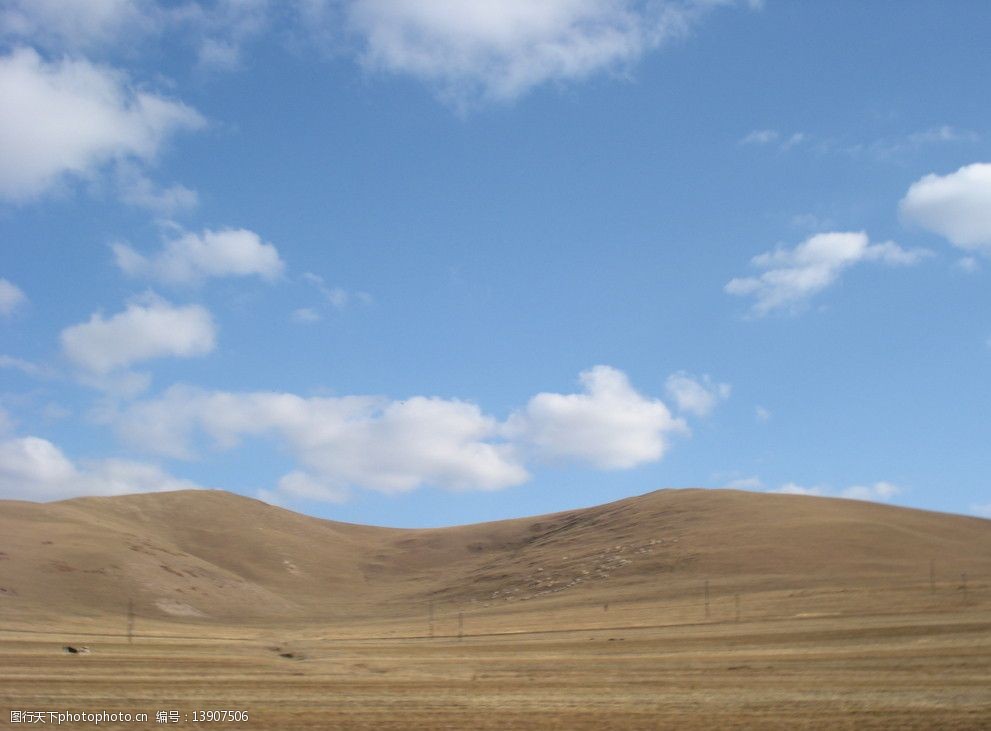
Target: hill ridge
[215, 556]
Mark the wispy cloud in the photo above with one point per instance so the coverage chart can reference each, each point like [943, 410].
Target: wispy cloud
[790, 277]
[337, 297]
[887, 148]
[773, 138]
[28, 368]
[693, 395]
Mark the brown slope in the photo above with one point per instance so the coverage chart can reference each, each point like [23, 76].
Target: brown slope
[215, 556]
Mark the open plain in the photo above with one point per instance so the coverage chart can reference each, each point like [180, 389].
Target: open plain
[677, 609]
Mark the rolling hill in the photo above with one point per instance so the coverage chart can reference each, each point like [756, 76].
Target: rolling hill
[216, 557]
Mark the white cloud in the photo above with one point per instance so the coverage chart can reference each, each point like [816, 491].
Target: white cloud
[117, 384]
[32, 468]
[943, 133]
[695, 396]
[136, 189]
[811, 222]
[610, 425]
[499, 49]
[761, 137]
[745, 483]
[337, 297]
[226, 28]
[11, 297]
[893, 147]
[792, 276]
[150, 328]
[796, 138]
[983, 511]
[78, 25]
[191, 258]
[34, 370]
[389, 446]
[762, 415]
[215, 29]
[765, 137]
[877, 492]
[71, 117]
[790, 488]
[395, 446]
[305, 314]
[302, 485]
[968, 264]
[956, 206]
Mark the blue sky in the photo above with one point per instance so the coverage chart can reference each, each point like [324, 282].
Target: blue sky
[419, 263]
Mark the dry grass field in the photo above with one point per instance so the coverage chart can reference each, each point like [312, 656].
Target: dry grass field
[821, 613]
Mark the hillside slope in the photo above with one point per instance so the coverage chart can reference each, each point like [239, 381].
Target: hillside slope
[211, 556]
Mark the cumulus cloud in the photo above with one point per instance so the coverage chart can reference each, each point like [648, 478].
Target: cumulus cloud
[71, 117]
[791, 276]
[148, 328]
[983, 511]
[389, 446]
[955, 206]
[468, 51]
[609, 425]
[876, 492]
[393, 446]
[791, 488]
[499, 49]
[745, 483]
[216, 30]
[11, 297]
[695, 396]
[32, 468]
[77, 25]
[192, 258]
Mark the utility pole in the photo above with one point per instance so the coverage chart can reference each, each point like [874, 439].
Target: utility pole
[461, 626]
[736, 601]
[430, 619]
[706, 598]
